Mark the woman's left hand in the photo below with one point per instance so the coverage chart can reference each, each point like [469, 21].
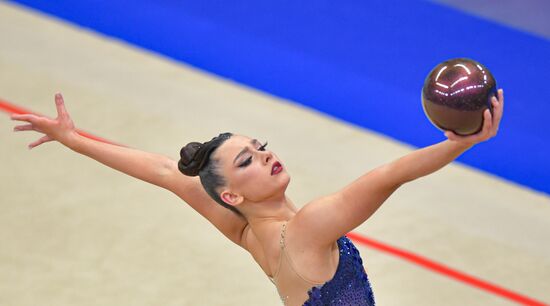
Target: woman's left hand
[490, 124]
[61, 128]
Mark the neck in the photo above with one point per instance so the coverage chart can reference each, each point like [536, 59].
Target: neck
[265, 217]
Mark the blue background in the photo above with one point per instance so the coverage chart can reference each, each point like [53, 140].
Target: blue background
[363, 62]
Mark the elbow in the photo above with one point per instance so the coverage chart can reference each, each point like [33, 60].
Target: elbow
[166, 171]
[391, 176]
[168, 167]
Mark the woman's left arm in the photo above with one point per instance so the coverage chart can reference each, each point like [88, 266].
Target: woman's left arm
[326, 219]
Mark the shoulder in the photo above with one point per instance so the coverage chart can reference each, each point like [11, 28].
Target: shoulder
[314, 221]
[313, 261]
[266, 254]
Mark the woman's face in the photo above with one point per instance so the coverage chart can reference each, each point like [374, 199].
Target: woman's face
[251, 170]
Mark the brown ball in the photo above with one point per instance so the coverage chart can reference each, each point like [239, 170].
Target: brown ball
[456, 93]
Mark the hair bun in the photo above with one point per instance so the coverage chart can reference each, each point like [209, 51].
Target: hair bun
[189, 163]
[195, 155]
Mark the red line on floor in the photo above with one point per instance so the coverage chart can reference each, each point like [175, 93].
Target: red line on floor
[444, 270]
[369, 242]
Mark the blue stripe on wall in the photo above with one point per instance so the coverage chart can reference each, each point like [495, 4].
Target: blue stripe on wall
[360, 61]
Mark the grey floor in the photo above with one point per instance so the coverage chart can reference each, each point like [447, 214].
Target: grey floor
[73, 232]
[532, 16]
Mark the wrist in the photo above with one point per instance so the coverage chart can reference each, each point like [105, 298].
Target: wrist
[71, 140]
[460, 145]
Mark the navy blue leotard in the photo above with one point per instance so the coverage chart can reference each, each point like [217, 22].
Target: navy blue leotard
[350, 284]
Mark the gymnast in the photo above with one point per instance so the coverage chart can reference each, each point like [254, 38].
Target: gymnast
[239, 185]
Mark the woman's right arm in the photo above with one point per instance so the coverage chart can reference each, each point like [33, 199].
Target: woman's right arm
[150, 167]
[324, 220]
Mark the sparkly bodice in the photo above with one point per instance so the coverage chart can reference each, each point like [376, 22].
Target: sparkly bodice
[350, 284]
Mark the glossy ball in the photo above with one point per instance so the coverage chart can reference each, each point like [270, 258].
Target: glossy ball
[456, 93]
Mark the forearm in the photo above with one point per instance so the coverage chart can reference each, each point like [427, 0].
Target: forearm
[149, 167]
[425, 161]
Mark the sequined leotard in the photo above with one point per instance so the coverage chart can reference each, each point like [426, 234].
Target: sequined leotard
[349, 286]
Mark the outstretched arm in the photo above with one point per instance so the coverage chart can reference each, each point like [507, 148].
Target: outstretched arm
[326, 219]
[152, 168]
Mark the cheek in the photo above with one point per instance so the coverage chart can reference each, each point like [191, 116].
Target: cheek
[252, 180]
[243, 179]
[255, 176]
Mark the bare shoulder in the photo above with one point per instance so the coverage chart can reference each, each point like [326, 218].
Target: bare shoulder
[266, 259]
[324, 220]
[314, 258]
[316, 262]
[305, 224]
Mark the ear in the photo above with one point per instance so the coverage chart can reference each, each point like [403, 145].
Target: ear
[231, 198]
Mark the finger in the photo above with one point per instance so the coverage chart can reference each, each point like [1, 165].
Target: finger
[24, 127]
[24, 117]
[40, 141]
[497, 111]
[485, 131]
[501, 100]
[501, 96]
[60, 105]
[487, 123]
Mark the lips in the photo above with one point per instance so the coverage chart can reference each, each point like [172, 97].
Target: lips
[276, 168]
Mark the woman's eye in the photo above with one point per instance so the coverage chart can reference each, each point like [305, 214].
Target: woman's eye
[246, 162]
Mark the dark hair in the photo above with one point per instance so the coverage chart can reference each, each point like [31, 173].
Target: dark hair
[195, 160]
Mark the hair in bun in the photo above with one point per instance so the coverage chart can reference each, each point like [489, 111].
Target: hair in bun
[195, 155]
[189, 163]
[195, 160]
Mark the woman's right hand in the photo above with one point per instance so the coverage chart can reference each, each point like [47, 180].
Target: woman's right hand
[490, 126]
[60, 129]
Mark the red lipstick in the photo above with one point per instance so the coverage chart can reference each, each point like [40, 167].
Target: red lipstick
[276, 168]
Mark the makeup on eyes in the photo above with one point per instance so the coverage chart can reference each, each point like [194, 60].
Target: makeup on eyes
[248, 161]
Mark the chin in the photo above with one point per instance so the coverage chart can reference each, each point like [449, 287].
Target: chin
[284, 183]
[279, 190]
[287, 181]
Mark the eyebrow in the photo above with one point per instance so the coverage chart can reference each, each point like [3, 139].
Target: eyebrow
[252, 142]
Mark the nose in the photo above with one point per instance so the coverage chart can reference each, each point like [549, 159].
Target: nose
[266, 156]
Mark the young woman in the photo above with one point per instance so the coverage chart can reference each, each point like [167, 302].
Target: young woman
[239, 186]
